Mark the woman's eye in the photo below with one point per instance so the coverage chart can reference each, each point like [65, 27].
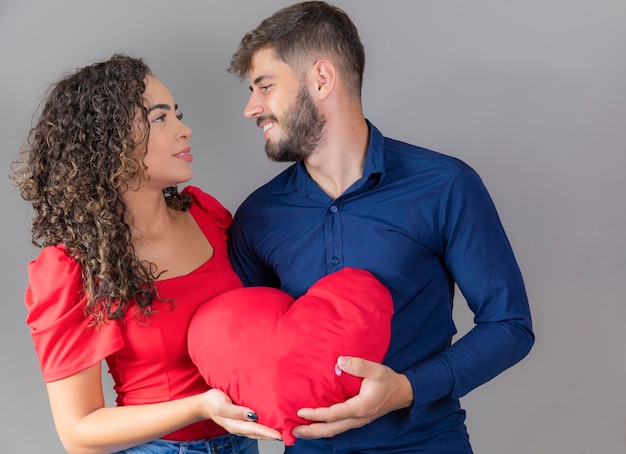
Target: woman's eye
[159, 119]
[179, 115]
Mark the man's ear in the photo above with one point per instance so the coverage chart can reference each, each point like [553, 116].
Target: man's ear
[322, 79]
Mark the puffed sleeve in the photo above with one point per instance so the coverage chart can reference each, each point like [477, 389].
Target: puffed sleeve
[215, 212]
[55, 301]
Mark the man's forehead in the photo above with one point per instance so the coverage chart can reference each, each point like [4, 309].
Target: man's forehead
[263, 56]
[265, 64]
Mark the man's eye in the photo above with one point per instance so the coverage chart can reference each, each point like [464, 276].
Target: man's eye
[264, 88]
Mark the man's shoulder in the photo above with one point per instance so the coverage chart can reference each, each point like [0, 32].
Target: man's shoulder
[280, 183]
[406, 154]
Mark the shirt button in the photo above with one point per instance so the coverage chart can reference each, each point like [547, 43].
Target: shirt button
[334, 209]
[335, 261]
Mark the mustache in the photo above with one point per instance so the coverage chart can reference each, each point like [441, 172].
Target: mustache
[263, 118]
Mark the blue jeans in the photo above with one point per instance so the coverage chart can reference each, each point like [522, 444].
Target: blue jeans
[226, 444]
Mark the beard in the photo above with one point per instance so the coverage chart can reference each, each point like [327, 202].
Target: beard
[302, 127]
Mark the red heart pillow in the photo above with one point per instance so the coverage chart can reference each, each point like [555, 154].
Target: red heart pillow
[276, 355]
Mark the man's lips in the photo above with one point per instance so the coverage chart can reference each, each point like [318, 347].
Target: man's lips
[266, 123]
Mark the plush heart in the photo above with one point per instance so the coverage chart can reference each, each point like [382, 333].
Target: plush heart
[275, 355]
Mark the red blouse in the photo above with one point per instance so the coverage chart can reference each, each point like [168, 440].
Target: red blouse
[148, 359]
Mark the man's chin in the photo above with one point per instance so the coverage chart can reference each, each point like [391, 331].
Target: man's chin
[270, 151]
[274, 151]
[280, 155]
[279, 158]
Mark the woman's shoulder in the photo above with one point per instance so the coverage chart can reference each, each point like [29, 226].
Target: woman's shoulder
[53, 261]
[203, 199]
[64, 341]
[207, 206]
[55, 284]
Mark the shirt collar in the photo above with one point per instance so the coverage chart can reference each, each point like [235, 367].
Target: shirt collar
[300, 181]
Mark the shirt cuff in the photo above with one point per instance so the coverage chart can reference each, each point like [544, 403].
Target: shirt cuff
[431, 380]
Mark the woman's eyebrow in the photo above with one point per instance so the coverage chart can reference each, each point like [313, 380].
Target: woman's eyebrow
[162, 106]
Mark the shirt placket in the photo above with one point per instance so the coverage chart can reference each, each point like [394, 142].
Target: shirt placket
[333, 237]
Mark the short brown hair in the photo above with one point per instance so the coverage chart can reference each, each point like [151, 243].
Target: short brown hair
[302, 33]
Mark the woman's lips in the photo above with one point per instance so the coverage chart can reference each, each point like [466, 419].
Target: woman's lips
[185, 155]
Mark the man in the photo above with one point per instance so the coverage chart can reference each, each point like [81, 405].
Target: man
[418, 220]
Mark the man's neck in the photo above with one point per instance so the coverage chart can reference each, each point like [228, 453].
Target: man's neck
[339, 161]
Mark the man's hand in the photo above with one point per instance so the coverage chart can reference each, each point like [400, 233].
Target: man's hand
[382, 391]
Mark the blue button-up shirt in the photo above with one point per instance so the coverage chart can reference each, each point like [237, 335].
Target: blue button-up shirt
[421, 222]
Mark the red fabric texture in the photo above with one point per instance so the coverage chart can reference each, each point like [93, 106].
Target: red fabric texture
[148, 359]
[276, 355]
[55, 302]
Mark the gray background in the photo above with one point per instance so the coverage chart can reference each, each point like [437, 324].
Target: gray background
[531, 94]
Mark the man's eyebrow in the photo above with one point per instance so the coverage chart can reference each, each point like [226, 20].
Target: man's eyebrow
[162, 106]
[258, 80]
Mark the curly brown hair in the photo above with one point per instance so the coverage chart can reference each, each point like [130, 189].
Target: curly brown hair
[302, 33]
[79, 158]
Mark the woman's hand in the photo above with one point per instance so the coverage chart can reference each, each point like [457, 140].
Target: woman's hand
[234, 418]
[86, 426]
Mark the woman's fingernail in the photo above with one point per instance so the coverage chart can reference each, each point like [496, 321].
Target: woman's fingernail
[252, 416]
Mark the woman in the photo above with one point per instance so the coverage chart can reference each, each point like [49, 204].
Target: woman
[126, 259]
